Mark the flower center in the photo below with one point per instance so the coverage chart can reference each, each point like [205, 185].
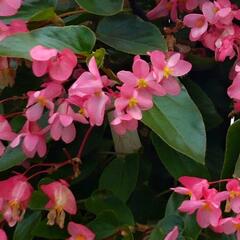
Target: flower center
[142, 83]
[237, 226]
[82, 112]
[169, 6]
[234, 194]
[200, 22]
[207, 207]
[42, 101]
[167, 72]
[132, 102]
[80, 237]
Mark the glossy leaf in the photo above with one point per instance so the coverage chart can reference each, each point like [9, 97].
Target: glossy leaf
[130, 34]
[171, 158]
[100, 202]
[103, 7]
[24, 228]
[177, 120]
[120, 176]
[11, 158]
[78, 38]
[232, 150]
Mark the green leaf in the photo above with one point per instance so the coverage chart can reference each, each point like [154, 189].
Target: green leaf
[120, 176]
[210, 115]
[177, 120]
[130, 34]
[103, 7]
[78, 38]
[100, 202]
[24, 228]
[43, 15]
[38, 200]
[237, 168]
[30, 9]
[105, 224]
[171, 158]
[11, 158]
[232, 150]
[49, 232]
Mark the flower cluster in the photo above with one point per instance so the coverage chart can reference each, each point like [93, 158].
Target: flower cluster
[214, 26]
[206, 202]
[15, 195]
[90, 96]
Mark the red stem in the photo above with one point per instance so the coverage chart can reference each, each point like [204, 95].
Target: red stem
[13, 98]
[83, 144]
[220, 181]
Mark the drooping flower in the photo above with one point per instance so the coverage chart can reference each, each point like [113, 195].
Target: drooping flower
[89, 86]
[39, 100]
[233, 187]
[62, 125]
[173, 234]
[231, 225]
[59, 64]
[9, 7]
[33, 140]
[79, 232]
[198, 25]
[61, 199]
[192, 186]
[208, 209]
[15, 194]
[123, 122]
[6, 133]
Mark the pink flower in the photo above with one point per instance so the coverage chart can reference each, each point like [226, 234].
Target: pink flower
[79, 232]
[6, 133]
[233, 202]
[173, 234]
[16, 26]
[231, 225]
[141, 78]
[193, 187]
[15, 194]
[3, 235]
[123, 123]
[234, 89]
[61, 199]
[9, 7]
[62, 125]
[33, 140]
[208, 209]
[133, 102]
[59, 64]
[198, 25]
[167, 69]
[90, 87]
[42, 99]
[163, 9]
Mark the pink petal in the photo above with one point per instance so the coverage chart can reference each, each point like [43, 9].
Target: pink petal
[190, 206]
[41, 53]
[40, 68]
[41, 147]
[159, 11]
[92, 66]
[34, 112]
[30, 142]
[56, 130]
[2, 149]
[141, 68]
[135, 112]
[203, 217]
[65, 120]
[3, 235]
[235, 204]
[171, 86]
[173, 60]
[69, 133]
[181, 68]
[173, 234]
[127, 77]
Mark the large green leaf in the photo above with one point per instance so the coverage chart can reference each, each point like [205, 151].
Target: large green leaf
[103, 7]
[177, 120]
[120, 176]
[11, 158]
[78, 38]
[171, 158]
[24, 228]
[32, 8]
[100, 202]
[232, 150]
[130, 34]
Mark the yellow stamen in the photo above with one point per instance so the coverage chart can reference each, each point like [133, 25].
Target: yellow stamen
[82, 111]
[142, 83]
[42, 101]
[132, 102]
[80, 237]
[167, 72]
